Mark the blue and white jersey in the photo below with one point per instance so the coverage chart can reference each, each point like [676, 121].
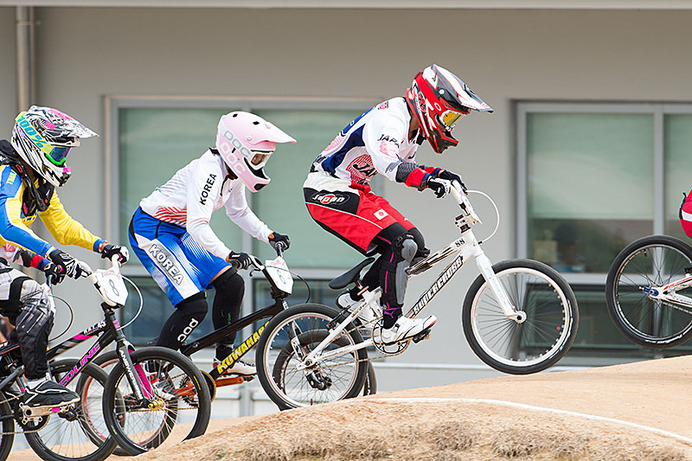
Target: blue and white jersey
[375, 142]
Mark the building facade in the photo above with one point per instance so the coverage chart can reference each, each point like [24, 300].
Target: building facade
[588, 147]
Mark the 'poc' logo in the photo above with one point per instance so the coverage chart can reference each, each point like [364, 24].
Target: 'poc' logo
[188, 329]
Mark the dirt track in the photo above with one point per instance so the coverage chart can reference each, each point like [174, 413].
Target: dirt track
[437, 425]
[447, 423]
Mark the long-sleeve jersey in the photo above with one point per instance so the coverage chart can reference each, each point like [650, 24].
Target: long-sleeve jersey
[375, 142]
[190, 197]
[15, 219]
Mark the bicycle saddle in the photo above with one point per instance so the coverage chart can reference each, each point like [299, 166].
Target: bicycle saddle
[351, 276]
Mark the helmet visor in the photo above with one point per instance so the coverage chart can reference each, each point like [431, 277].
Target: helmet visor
[450, 117]
[58, 155]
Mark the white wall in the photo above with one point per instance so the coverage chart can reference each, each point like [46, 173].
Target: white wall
[87, 53]
[8, 73]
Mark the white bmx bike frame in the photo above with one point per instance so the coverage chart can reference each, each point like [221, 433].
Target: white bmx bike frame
[668, 293]
[465, 248]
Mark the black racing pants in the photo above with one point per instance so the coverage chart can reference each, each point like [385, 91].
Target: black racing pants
[30, 308]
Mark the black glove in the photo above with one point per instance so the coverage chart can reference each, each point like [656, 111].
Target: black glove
[109, 250]
[239, 260]
[451, 176]
[54, 274]
[279, 240]
[65, 263]
[441, 187]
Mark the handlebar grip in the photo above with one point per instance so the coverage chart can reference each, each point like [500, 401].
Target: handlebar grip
[280, 248]
[235, 264]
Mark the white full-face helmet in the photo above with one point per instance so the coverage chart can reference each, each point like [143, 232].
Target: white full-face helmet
[43, 137]
[245, 142]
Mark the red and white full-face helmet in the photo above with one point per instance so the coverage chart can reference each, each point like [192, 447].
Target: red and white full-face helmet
[439, 99]
[245, 142]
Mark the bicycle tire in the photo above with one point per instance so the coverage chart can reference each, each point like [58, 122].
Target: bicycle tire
[370, 384]
[7, 436]
[110, 358]
[105, 361]
[656, 260]
[182, 384]
[552, 318]
[67, 436]
[290, 388]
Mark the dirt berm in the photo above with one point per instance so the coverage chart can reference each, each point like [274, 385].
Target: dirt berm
[638, 411]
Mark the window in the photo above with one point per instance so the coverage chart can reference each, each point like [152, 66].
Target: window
[153, 138]
[592, 178]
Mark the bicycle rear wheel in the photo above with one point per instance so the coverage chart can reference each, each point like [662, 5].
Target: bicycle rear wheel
[80, 432]
[7, 427]
[176, 388]
[280, 351]
[370, 384]
[535, 343]
[653, 261]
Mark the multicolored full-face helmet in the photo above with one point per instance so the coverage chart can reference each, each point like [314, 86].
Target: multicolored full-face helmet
[439, 99]
[245, 142]
[43, 137]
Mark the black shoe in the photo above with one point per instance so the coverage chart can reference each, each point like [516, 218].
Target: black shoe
[49, 394]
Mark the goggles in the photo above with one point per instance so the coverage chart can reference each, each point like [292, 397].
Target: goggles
[259, 158]
[58, 154]
[449, 117]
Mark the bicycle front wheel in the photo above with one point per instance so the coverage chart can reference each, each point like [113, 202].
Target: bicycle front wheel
[541, 337]
[177, 405]
[77, 433]
[283, 345]
[654, 261]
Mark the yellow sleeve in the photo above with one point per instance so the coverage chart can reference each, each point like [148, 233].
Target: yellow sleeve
[66, 230]
[14, 229]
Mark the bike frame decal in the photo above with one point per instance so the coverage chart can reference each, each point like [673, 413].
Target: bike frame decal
[441, 281]
[240, 351]
[77, 339]
[82, 363]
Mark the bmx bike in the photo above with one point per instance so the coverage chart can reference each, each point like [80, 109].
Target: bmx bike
[519, 316]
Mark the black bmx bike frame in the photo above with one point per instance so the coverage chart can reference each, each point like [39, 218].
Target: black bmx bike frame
[107, 331]
[221, 333]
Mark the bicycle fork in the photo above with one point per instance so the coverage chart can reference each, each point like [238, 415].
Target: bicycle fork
[486, 269]
[136, 377]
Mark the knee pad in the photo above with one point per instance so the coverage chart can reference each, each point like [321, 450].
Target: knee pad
[188, 314]
[421, 252]
[33, 325]
[395, 261]
[229, 282]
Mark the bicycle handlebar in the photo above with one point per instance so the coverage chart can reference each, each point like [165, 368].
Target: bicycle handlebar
[461, 198]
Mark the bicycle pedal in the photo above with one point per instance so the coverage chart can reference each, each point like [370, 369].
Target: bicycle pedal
[423, 335]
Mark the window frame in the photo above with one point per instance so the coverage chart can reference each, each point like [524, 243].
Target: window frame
[591, 281]
[657, 110]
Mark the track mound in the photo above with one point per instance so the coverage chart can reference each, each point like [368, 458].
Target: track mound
[638, 411]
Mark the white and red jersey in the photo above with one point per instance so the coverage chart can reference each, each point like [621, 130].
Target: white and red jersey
[190, 197]
[375, 142]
